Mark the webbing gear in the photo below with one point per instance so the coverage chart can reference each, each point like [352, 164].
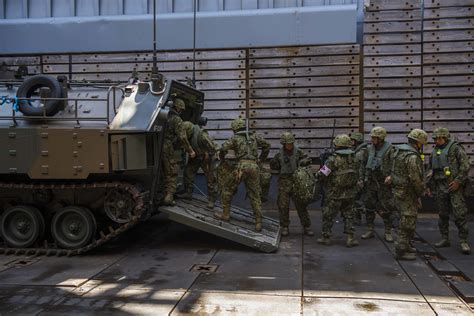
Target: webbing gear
[439, 157]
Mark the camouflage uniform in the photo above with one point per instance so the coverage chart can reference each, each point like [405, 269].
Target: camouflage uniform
[245, 146]
[205, 149]
[375, 167]
[339, 176]
[360, 150]
[174, 138]
[286, 163]
[450, 163]
[408, 186]
[265, 180]
[226, 175]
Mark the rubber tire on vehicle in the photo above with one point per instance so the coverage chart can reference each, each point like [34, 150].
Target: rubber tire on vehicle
[63, 236]
[27, 88]
[36, 220]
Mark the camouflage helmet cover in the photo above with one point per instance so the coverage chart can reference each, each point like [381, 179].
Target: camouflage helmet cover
[237, 124]
[358, 137]
[378, 132]
[342, 140]
[287, 138]
[441, 132]
[419, 135]
[179, 104]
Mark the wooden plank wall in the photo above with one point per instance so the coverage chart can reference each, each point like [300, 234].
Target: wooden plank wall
[299, 89]
[418, 68]
[302, 90]
[392, 67]
[448, 69]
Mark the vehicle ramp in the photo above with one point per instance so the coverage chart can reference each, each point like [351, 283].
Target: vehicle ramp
[240, 228]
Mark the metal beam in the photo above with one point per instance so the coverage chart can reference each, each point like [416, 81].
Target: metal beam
[225, 29]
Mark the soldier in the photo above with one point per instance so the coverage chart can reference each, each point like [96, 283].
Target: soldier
[175, 137]
[408, 187]
[360, 149]
[205, 149]
[286, 162]
[377, 166]
[245, 145]
[339, 176]
[450, 166]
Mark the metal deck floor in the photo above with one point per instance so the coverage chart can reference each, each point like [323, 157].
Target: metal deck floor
[149, 271]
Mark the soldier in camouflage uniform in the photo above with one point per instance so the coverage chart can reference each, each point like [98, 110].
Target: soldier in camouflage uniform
[205, 149]
[360, 148]
[407, 181]
[286, 162]
[450, 167]
[376, 164]
[339, 176]
[175, 138]
[245, 145]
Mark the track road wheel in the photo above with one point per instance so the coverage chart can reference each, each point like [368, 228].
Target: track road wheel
[73, 227]
[21, 226]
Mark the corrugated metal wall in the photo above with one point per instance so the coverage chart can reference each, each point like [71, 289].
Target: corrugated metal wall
[17, 9]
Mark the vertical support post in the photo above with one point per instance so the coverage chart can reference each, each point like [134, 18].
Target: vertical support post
[247, 83]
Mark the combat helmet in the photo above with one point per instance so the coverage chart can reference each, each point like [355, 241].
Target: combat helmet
[358, 137]
[342, 140]
[237, 124]
[419, 135]
[378, 132]
[179, 105]
[287, 138]
[441, 132]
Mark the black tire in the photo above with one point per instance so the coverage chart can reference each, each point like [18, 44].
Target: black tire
[21, 226]
[27, 88]
[73, 227]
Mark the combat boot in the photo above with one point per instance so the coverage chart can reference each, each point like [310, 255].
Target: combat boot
[187, 195]
[406, 256]
[351, 241]
[444, 242]
[308, 232]
[465, 249]
[388, 236]
[211, 202]
[369, 234]
[258, 224]
[169, 199]
[411, 249]
[284, 231]
[324, 240]
[224, 216]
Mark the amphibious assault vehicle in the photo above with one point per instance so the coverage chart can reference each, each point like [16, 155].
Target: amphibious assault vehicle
[80, 164]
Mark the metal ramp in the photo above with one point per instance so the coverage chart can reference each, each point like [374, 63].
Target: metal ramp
[240, 228]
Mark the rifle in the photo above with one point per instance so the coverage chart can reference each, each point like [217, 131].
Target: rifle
[325, 155]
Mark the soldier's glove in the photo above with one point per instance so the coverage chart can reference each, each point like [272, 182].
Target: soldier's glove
[454, 186]
[305, 162]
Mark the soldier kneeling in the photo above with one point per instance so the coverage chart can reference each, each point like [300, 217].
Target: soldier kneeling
[339, 176]
[286, 162]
